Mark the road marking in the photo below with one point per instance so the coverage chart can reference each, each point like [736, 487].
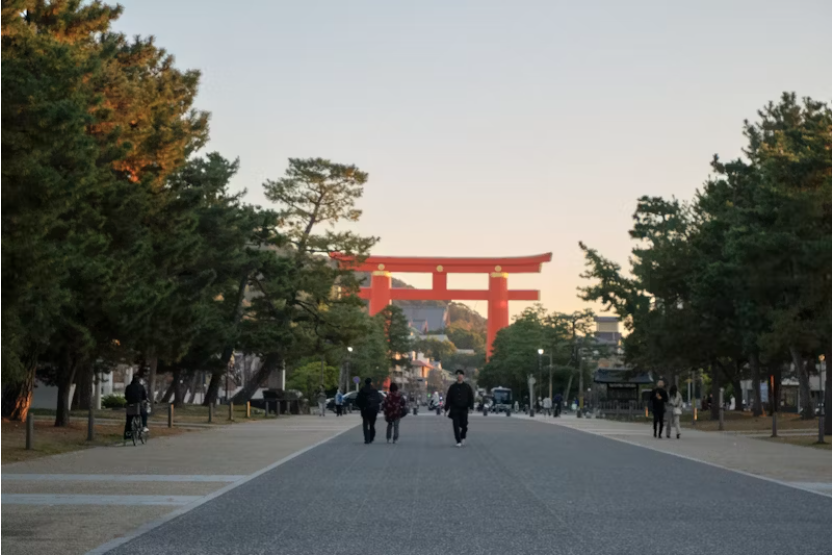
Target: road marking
[124, 478]
[147, 527]
[96, 500]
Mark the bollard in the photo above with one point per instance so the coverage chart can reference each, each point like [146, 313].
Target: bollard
[267, 408]
[821, 434]
[30, 430]
[170, 416]
[721, 409]
[230, 411]
[695, 415]
[774, 424]
[248, 410]
[91, 424]
[210, 413]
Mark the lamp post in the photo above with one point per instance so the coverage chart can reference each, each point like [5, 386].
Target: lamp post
[345, 382]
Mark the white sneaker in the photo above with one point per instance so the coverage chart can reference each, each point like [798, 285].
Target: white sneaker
[459, 445]
[145, 429]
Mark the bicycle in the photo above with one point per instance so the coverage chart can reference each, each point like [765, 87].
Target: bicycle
[136, 431]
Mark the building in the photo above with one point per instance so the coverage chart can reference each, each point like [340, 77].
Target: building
[425, 318]
[609, 337]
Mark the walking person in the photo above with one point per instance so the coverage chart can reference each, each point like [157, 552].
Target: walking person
[339, 403]
[658, 399]
[368, 401]
[558, 401]
[394, 408]
[676, 411]
[458, 402]
[322, 401]
[547, 406]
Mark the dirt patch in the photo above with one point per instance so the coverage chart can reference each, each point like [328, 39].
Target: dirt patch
[50, 440]
[808, 441]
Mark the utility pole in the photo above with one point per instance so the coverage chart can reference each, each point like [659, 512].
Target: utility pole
[550, 374]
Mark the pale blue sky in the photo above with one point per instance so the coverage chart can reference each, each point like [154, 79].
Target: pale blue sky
[493, 128]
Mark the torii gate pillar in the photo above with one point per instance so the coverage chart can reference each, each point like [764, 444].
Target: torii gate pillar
[380, 293]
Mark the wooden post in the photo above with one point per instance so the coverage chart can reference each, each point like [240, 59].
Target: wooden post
[248, 410]
[170, 416]
[210, 413]
[267, 408]
[230, 411]
[821, 432]
[721, 409]
[30, 430]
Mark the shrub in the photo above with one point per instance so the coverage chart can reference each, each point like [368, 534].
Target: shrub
[113, 401]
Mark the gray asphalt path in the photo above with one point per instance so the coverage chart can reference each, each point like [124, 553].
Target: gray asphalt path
[519, 487]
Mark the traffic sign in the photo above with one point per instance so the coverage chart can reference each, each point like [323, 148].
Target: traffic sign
[356, 380]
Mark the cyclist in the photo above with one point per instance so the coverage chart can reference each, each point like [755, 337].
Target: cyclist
[135, 393]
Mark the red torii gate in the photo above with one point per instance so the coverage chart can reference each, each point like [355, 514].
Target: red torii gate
[380, 293]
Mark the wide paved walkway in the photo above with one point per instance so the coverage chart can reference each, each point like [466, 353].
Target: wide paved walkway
[520, 486]
[74, 502]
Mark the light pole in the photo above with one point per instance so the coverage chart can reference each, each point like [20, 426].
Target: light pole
[346, 380]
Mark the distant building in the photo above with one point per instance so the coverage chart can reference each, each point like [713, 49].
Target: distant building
[609, 338]
[426, 318]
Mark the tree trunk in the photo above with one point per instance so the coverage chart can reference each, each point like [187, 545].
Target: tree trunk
[178, 394]
[716, 382]
[736, 386]
[83, 397]
[757, 406]
[216, 376]
[193, 386]
[17, 396]
[827, 404]
[65, 380]
[153, 364]
[269, 364]
[807, 411]
[169, 392]
[566, 401]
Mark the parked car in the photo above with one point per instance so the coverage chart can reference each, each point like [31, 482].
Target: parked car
[349, 401]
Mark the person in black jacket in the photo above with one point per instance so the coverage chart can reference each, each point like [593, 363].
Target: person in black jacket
[458, 402]
[658, 397]
[135, 393]
[368, 401]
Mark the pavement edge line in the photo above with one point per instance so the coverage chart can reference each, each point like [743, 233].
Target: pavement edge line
[691, 458]
[147, 527]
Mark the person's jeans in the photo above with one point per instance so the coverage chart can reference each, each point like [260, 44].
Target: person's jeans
[460, 419]
[393, 429]
[658, 423]
[339, 410]
[557, 409]
[675, 420]
[322, 408]
[368, 423]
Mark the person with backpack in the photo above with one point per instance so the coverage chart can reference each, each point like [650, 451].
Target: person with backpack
[458, 402]
[394, 408]
[368, 401]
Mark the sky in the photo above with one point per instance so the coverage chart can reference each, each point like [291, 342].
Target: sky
[493, 128]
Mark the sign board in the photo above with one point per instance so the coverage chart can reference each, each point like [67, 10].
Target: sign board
[621, 386]
[532, 380]
[356, 380]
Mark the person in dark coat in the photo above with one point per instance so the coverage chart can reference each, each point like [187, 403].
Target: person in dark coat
[658, 399]
[458, 402]
[135, 393]
[368, 401]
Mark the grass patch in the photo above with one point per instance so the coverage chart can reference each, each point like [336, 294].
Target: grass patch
[745, 421]
[50, 440]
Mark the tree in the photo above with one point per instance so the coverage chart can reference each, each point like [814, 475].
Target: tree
[441, 350]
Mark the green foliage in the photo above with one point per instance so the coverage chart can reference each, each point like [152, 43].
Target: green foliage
[113, 401]
[307, 379]
[435, 349]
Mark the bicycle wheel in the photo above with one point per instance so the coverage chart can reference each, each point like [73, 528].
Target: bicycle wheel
[134, 430]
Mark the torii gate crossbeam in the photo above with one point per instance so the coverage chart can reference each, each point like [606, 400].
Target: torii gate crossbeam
[380, 293]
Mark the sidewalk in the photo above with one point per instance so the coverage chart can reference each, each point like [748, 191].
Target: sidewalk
[72, 503]
[797, 466]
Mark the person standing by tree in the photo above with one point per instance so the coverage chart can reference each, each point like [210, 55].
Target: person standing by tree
[368, 402]
[658, 398]
[394, 409]
[459, 401]
[339, 403]
[676, 411]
